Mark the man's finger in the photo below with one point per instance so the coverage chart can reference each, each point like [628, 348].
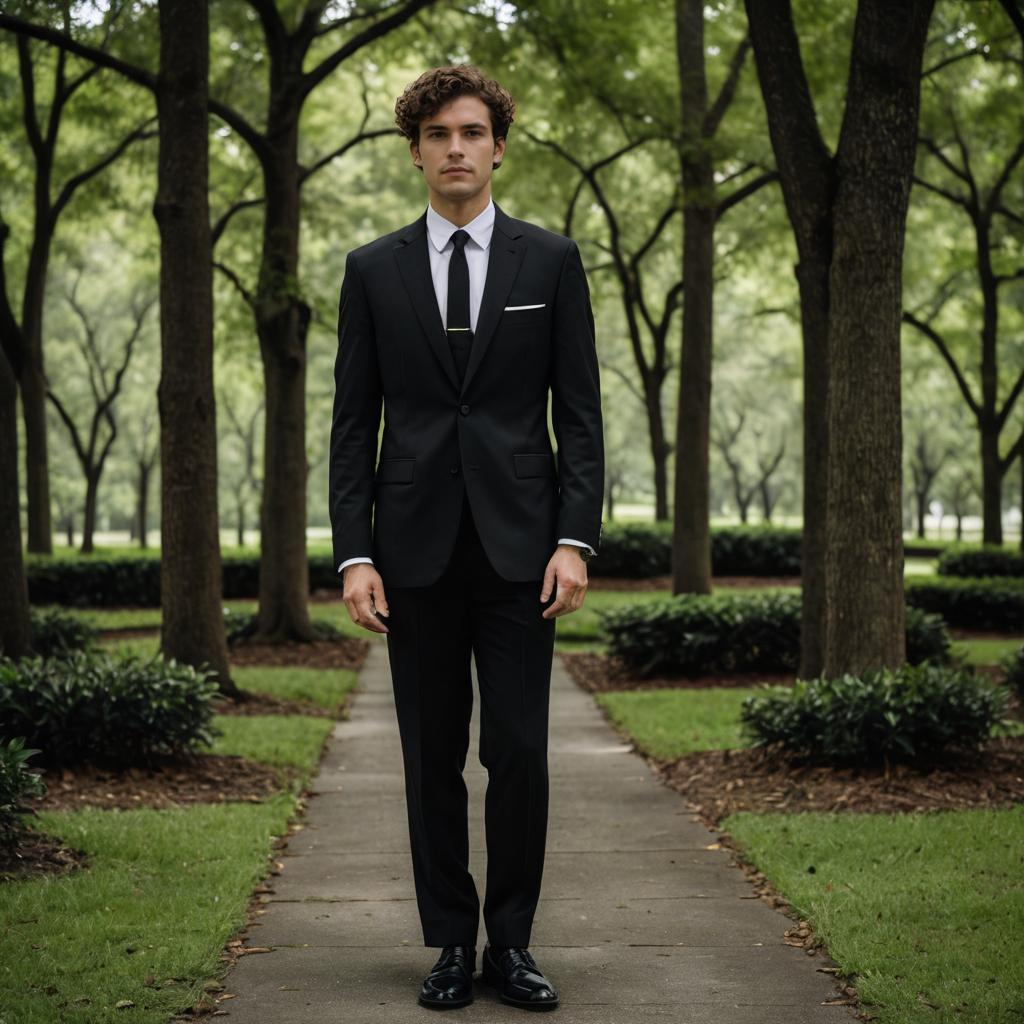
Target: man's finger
[367, 617]
[558, 606]
[380, 600]
[549, 580]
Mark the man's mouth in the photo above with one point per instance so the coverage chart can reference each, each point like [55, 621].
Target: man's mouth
[457, 170]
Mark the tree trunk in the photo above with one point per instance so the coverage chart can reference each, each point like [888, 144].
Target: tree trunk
[921, 500]
[691, 549]
[33, 374]
[282, 323]
[813, 283]
[92, 481]
[143, 503]
[15, 627]
[659, 449]
[37, 474]
[192, 627]
[991, 480]
[864, 602]
[811, 184]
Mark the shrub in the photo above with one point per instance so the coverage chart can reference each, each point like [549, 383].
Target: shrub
[1013, 666]
[913, 714]
[694, 634]
[55, 633]
[994, 602]
[988, 560]
[927, 637]
[17, 783]
[114, 712]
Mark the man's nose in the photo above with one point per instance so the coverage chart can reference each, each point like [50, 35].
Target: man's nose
[455, 144]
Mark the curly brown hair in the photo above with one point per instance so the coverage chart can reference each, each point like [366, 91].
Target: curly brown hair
[438, 86]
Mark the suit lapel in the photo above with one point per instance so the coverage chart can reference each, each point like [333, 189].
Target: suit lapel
[506, 256]
[504, 260]
[414, 265]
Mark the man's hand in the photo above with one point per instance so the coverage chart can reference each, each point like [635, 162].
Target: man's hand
[364, 596]
[570, 572]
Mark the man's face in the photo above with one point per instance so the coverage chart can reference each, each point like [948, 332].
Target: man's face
[457, 149]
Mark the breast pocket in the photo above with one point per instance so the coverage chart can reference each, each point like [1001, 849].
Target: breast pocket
[529, 315]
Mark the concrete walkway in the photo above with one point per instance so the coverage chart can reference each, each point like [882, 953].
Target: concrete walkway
[638, 920]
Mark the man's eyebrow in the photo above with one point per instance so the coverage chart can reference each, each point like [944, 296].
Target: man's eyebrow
[470, 124]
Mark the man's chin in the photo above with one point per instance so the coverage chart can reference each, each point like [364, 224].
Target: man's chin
[457, 187]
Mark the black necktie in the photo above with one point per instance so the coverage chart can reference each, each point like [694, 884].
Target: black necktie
[460, 335]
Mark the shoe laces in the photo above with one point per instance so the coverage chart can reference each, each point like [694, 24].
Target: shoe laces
[521, 957]
[456, 954]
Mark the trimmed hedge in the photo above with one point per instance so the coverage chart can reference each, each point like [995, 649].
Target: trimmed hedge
[643, 550]
[994, 602]
[987, 560]
[633, 551]
[114, 712]
[696, 634]
[913, 714]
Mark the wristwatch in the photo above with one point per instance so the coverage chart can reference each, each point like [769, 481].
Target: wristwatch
[585, 553]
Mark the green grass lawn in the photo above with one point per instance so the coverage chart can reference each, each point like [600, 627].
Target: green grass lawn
[72, 948]
[670, 723]
[926, 909]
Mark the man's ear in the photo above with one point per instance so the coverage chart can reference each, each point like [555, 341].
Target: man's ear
[414, 150]
[499, 152]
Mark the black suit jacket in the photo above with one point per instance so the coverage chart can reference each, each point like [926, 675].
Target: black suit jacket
[489, 436]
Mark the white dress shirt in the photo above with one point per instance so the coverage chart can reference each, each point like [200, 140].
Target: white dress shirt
[440, 248]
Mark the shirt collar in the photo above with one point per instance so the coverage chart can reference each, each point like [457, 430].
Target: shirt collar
[480, 228]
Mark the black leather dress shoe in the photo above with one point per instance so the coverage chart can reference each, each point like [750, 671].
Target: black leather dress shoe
[450, 981]
[518, 979]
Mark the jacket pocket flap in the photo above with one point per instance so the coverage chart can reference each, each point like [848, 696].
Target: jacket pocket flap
[534, 464]
[395, 471]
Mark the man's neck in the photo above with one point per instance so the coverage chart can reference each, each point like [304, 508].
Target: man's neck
[462, 212]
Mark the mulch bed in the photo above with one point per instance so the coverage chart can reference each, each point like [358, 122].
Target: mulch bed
[171, 782]
[346, 652]
[717, 783]
[601, 673]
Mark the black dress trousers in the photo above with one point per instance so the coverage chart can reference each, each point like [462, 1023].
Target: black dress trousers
[434, 630]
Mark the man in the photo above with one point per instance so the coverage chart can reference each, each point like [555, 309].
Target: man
[460, 324]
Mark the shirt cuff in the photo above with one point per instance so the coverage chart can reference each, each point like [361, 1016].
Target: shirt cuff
[578, 543]
[350, 561]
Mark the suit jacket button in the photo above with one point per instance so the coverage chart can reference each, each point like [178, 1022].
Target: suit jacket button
[464, 409]
[454, 471]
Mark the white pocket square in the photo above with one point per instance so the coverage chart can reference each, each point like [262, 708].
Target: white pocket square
[536, 305]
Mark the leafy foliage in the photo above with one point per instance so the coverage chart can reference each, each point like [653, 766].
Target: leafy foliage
[694, 634]
[913, 714]
[56, 633]
[988, 560]
[114, 712]
[1013, 666]
[17, 782]
[992, 602]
